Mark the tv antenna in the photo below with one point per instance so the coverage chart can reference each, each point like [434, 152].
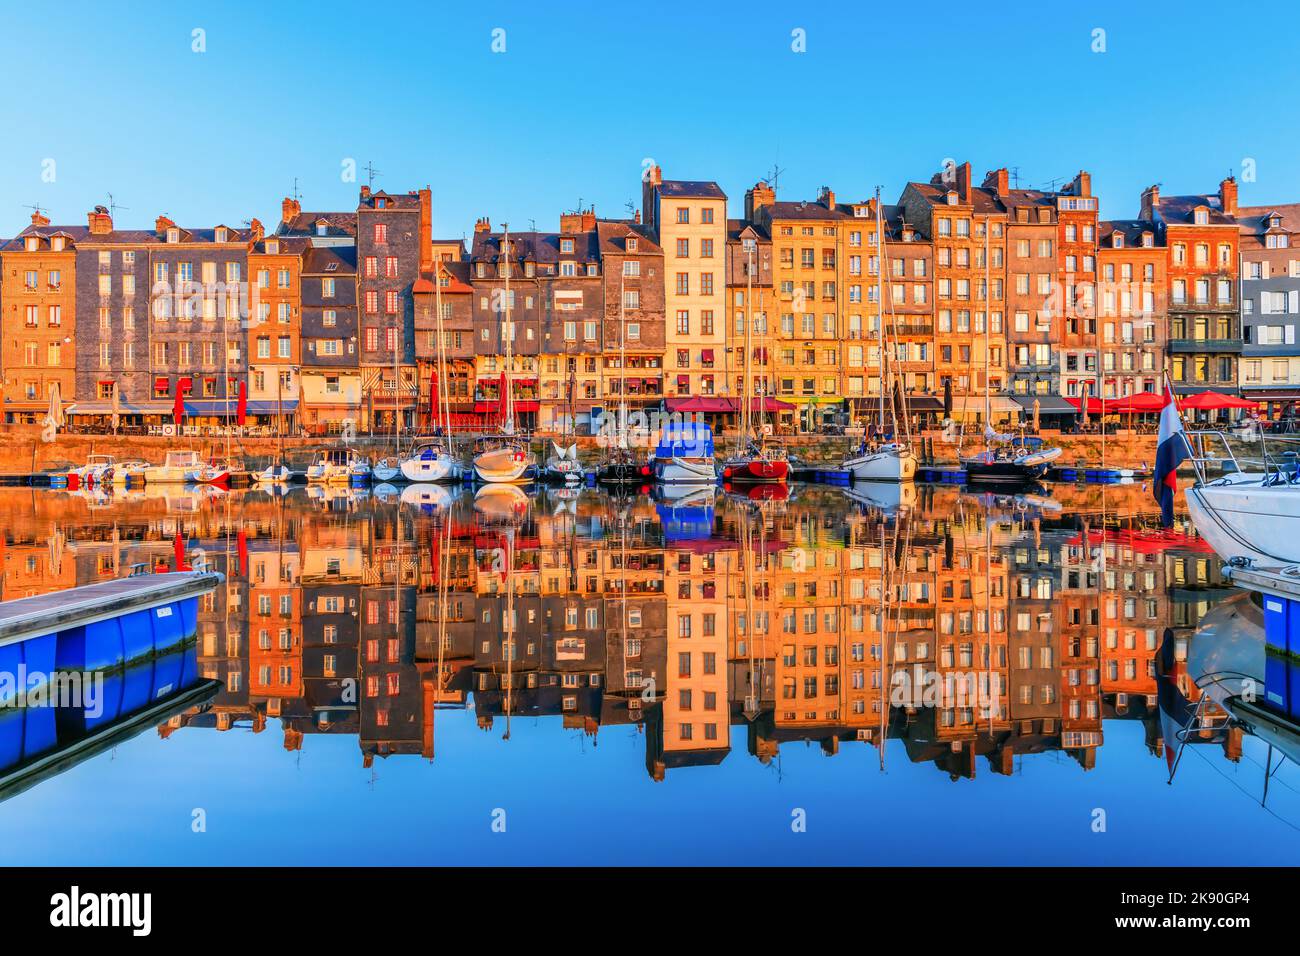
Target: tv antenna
[773, 178]
[371, 173]
[630, 206]
[113, 207]
[297, 196]
[1015, 177]
[35, 207]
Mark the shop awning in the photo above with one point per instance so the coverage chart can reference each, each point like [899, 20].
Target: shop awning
[915, 403]
[123, 408]
[212, 407]
[1047, 404]
[260, 407]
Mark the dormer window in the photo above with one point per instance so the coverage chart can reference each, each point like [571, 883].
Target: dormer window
[322, 228]
[530, 269]
[56, 244]
[1201, 217]
[381, 203]
[272, 247]
[1274, 222]
[631, 244]
[591, 268]
[33, 244]
[221, 235]
[952, 198]
[1117, 240]
[566, 245]
[173, 235]
[1148, 240]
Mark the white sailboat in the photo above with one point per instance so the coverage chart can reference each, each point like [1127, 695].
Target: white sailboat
[434, 460]
[505, 459]
[176, 468]
[894, 460]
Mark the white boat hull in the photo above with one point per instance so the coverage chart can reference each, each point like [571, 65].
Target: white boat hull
[884, 465]
[693, 471]
[440, 468]
[1241, 518]
[426, 496]
[564, 470]
[274, 474]
[502, 466]
[384, 472]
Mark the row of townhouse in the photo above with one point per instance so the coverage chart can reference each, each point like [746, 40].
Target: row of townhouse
[958, 290]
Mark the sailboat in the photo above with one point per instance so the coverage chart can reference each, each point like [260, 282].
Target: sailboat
[563, 464]
[278, 472]
[752, 462]
[434, 460]
[1005, 458]
[390, 466]
[505, 459]
[891, 460]
[619, 466]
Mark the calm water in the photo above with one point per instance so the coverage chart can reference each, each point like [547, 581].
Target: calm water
[584, 679]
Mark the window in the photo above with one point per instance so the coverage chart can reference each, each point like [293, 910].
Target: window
[381, 233]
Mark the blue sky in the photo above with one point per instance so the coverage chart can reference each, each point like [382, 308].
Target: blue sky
[584, 93]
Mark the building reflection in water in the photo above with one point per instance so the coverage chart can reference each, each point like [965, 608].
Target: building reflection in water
[962, 625]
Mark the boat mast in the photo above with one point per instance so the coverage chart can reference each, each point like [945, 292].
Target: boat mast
[748, 315]
[509, 425]
[622, 362]
[880, 310]
[988, 322]
[444, 400]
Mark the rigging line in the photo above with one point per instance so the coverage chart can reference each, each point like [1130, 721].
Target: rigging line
[1209, 763]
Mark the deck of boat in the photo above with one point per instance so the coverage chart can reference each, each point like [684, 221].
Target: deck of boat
[47, 613]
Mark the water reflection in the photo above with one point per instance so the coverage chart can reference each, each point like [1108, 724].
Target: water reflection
[962, 625]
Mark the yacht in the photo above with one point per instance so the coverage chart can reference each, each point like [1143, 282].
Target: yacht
[430, 461]
[130, 472]
[1022, 459]
[503, 460]
[176, 468]
[684, 454]
[332, 466]
[891, 461]
[98, 470]
[563, 465]
[1250, 515]
[387, 468]
[279, 473]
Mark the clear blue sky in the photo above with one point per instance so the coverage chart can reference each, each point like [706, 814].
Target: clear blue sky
[585, 92]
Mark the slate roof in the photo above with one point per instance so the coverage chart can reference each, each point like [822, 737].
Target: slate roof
[318, 259]
[691, 189]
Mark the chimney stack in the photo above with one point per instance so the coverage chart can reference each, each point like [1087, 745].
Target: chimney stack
[162, 224]
[289, 209]
[963, 182]
[365, 193]
[1082, 185]
[257, 230]
[426, 229]
[651, 179]
[38, 219]
[826, 197]
[482, 224]
[101, 223]
[761, 197]
[1150, 201]
[1228, 196]
[998, 181]
[636, 218]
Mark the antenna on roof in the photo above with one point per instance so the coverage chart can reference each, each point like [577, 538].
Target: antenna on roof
[773, 177]
[371, 173]
[34, 207]
[532, 225]
[1015, 177]
[630, 206]
[113, 207]
[297, 196]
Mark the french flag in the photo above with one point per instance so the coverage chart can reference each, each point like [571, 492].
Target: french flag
[1171, 451]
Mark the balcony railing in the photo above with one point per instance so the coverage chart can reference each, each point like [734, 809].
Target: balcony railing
[1205, 345]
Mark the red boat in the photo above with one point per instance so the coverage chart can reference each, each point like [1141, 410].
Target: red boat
[755, 470]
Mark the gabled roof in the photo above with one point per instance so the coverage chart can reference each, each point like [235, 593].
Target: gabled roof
[318, 259]
[304, 224]
[738, 229]
[44, 234]
[1131, 229]
[1254, 219]
[612, 236]
[805, 210]
[289, 245]
[982, 199]
[1181, 210]
[541, 247]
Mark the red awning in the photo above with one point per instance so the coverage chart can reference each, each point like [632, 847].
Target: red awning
[525, 406]
[683, 381]
[1139, 402]
[706, 355]
[1209, 401]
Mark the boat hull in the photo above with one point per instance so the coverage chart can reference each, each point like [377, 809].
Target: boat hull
[692, 471]
[1244, 519]
[502, 466]
[430, 470]
[622, 473]
[1004, 472]
[756, 471]
[891, 466]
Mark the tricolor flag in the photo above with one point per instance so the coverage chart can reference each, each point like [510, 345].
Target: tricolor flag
[1171, 451]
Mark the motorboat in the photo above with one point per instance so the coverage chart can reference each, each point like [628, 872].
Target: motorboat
[275, 474]
[332, 466]
[891, 461]
[98, 470]
[1249, 516]
[386, 468]
[684, 454]
[1022, 459]
[757, 465]
[213, 472]
[130, 472]
[503, 460]
[430, 462]
[359, 469]
[176, 468]
[563, 465]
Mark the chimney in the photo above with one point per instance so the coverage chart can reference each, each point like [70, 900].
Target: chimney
[998, 181]
[570, 222]
[257, 230]
[482, 224]
[589, 220]
[652, 178]
[101, 223]
[162, 224]
[1150, 201]
[38, 219]
[637, 217]
[1082, 185]
[1228, 196]
[289, 209]
[963, 182]
[762, 196]
[826, 197]
[365, 193]
[426, 229]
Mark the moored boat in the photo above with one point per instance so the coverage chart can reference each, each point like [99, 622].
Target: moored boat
[502, 460]
[175, 469]
[430, 461]
[684, 454]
